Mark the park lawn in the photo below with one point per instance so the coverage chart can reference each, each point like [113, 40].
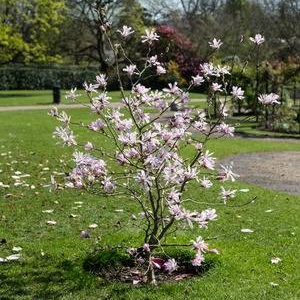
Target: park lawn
[52, 260]
[45, 97]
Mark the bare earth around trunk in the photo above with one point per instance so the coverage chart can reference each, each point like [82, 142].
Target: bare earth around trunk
[274, 170]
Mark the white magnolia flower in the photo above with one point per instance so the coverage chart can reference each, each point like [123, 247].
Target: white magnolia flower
[126, 31]
[215, 44]
[237, 93]
[150, 36]
[258, 39]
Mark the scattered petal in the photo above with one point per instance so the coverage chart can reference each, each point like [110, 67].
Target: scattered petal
[93, 226]
[2, 260]
[119, 210]
[73, 216]
[274, 284]
[51, 222]
[269, 210]
[48, 211]
[16, 249]
[13, 257]
[246, 230]
[244, 190]
[275, 260]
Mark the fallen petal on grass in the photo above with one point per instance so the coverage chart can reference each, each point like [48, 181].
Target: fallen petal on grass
[93, 226]
[17, 249]
[247, 230]
[51, 222]
[13, 257]
[275, 260]
[48, 211]
[274, 284]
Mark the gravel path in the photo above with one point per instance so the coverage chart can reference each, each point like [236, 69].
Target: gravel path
[275, 170]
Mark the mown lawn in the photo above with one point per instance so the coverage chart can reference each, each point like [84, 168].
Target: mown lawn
[44, 97]
[51, 266]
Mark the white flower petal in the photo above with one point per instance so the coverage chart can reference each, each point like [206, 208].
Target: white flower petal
[246, 230]
[48, 211]
[13, 257]
[274, 284]
[51, 222]
[17, 249]
[93, 226]
[275, 260]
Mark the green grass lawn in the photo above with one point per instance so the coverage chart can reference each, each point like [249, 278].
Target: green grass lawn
[52, 260]
[14, 98]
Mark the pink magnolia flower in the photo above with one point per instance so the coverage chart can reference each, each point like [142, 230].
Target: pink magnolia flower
[205, 182]
[153, 61]
[197, 80]
[170, 265]
[225, 129]
[126, 31]
[269, 99]
[160, 70]
[150, 36]
[108, 185]
[72, 94]
[225, 195]
[146, 247]
[237, 93]
[216, 87]
[200, 245]
[130, 69]
[141, 89]
[173, 89]
[207, 160]
[227, 174]
[90, 88]
[198, 260]
[96, 125]
[215, 44]
[66, 135]
[258, 39]
[101, 80]
[145, 180]
[128, 138]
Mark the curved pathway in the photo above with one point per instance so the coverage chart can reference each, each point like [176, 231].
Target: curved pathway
[274, 170]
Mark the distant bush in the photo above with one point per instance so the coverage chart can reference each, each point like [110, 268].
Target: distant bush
[19, 77]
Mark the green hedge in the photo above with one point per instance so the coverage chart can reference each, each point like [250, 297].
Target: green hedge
[35, 77]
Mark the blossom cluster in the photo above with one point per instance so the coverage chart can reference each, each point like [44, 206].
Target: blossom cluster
[148, 147]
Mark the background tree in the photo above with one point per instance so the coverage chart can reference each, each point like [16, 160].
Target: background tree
[30, 30]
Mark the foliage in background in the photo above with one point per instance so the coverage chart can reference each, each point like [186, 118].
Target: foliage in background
[30, 29]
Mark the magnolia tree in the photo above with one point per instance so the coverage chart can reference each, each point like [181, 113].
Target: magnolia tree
[147, 148]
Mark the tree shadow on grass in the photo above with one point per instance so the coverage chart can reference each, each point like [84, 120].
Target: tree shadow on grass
[53, 278]
[42, 279]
